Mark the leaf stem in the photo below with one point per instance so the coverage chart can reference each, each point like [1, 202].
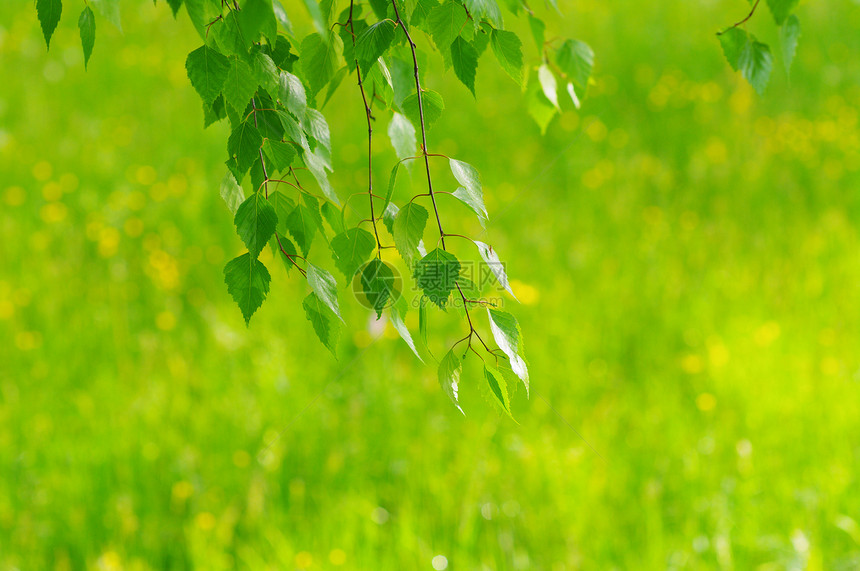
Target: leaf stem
[744, 21]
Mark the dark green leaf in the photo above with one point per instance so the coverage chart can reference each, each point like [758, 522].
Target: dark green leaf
[303, 223]
[433, 106]
[279, 241]
[240, 84]
[436, 274]
[465, 61]
[244, 145]
[255, 222]
[351, 249]
[49, 16]
[378, 285]
[449, 372]
[87, 27]
[257, 17]
[280, 155]
[325, 323]
[247, 282]
[207, 69]
[408, 230]
[175, 5]
[422, 9]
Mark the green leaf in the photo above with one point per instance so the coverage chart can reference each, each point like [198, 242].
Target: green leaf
[316, 126]
[756, 64]
[255, 222]
[243, 145]
[207, 69]
[548, 84]
[325, 323]
[433, 106]
[402, 135]
[733, 41]
[324, 286]
[318, 165]
[320, 59]
[258, 17]
[507, 333]
[487, 10]
[498, 389]
[495, 264]
[408, 230]
[422, 9]
[109, 9]
[539, 107]
[87, 26]
[538, 29]
[788, 36]
[449, 372]
[372, 42]
[465, 61]
[292, 94]
[392, 181]
[175, 5]
[509, 51]
[283, 206]
[232, 193]
[49, 12]
[351, 249]
[781, 9]
[576, 59]
[445, 23]
[228, 35]
[422, 321]
[436, 274]
[280, 155]
[279, 241]
[247, 282]
[303, 223]
[378, 285]
[319, 20]
[240, 84]
[396, 315]
[334, 216]
[471, 194]
[265, 71]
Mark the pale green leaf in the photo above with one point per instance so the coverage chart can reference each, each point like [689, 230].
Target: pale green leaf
[445, 23]
[320, 59]
[548, 84]
[280, 155]
[498, 389]
[396, 314]
[432, 105]
[109, 9]
[506, 332]
[576, 60]
[733, 41]
[324, 321]
[402, 135]
[324, 286]
[408, 229]
[372, 42]
[449, 372]
[491, 258]
[292, 94]
[788, 36]
[231, 192]
[756, 64]
[509, 51]
[781, 9]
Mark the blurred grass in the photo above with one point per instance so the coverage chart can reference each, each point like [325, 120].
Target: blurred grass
[686, 252]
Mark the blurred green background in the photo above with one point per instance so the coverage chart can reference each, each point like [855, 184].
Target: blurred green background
[687, 258]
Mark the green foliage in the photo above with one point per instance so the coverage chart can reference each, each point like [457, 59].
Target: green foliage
[87, 27]
[449, 371]
[436, 274]
[271, 87]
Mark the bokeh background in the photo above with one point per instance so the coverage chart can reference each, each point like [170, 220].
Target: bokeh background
[686, 254]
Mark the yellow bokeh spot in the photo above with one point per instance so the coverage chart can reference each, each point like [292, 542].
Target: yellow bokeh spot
[28, 340]
[569, 121]
[692, 364]
[15, 196]
[830, 366]
[108, 241]
[241, 459]
[145, 175]
[182, 490]
[205, 521]
[337, 556]
[619, 138]
[52, 191]
[68, 182]
[177, 184]
[716, 151]
[7, 309]
[767, 333]
[133, 227]
[53, 212]
[165, 321]
[42, 170]
[361, 338]
[158, 192]
[706, 402]
[136, 200]
[527, 294]
[304, 559]
[596, 130]
[718, 354]
[109, 561]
